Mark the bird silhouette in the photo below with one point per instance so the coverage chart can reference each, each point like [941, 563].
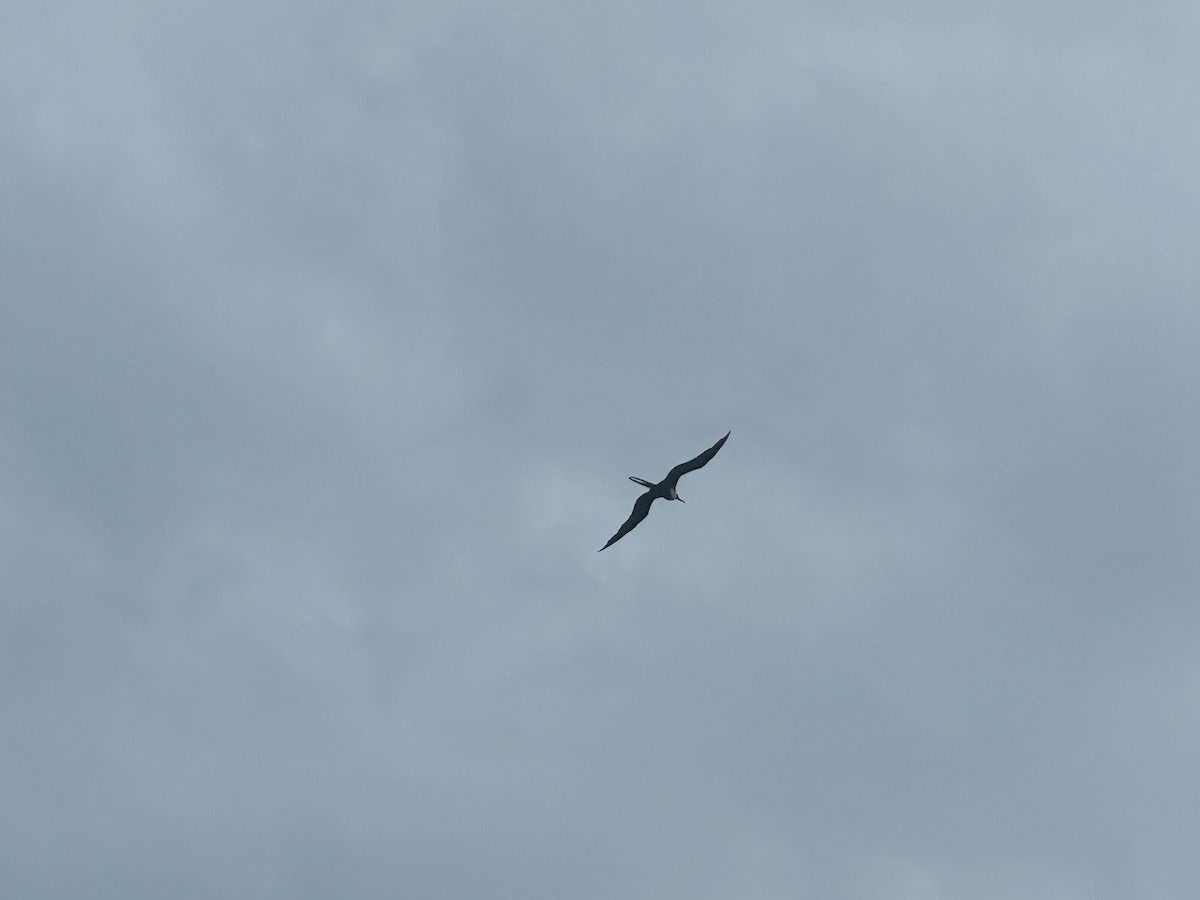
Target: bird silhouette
[665, 490]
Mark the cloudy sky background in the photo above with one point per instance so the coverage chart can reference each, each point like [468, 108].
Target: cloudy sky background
[329, 333]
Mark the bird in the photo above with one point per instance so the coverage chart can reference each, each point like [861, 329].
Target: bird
[665, 490]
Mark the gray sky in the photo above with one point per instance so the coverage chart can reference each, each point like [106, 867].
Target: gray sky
[329, 333]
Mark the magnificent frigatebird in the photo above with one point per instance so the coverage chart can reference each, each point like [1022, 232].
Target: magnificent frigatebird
[664, 489]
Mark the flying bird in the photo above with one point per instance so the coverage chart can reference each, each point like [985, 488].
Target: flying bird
[665, 490]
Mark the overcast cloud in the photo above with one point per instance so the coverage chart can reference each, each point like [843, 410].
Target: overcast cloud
[329, 333]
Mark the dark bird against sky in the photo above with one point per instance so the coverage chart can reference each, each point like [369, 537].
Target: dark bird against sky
[664, 489]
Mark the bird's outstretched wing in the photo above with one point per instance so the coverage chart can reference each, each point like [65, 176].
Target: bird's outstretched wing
[641, 509]
[693, 464]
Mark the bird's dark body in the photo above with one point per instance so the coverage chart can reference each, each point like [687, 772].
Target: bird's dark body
[664, 490]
